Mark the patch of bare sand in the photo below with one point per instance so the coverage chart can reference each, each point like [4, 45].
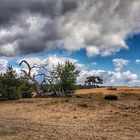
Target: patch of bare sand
[59, 119]
[106, 91]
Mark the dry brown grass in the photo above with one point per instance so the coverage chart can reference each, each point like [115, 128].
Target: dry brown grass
[87, 118]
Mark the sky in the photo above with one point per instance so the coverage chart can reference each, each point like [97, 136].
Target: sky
[101, 36]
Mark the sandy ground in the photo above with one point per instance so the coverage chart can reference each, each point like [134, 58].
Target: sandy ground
[88, 118]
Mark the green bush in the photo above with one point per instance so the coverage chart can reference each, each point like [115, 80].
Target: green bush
[26, 94]
[10, 93]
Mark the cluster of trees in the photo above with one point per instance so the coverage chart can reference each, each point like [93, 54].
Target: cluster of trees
[61, 80]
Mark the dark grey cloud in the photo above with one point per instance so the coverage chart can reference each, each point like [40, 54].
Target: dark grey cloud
[53, 8]
[30, 26]
[9, 9]
[46, 8]
[68, 6]
[18, 20]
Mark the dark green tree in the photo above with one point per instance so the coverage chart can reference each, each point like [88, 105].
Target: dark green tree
[93, 81]
[64, 76]
[9, 85]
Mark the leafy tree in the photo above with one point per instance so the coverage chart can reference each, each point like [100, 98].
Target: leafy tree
[9, 85]
[64, 76]
[93, 81]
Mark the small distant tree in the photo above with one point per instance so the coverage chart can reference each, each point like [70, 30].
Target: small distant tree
[93, 81]
[9, 85]
[64, 76]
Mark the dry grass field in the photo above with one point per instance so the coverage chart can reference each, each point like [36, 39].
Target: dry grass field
[89, 117]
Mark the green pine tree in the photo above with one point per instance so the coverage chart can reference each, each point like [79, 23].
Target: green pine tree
[10, 85]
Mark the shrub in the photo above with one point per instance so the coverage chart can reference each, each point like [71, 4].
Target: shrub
[26, 94]
[11, 93]
[111, 97]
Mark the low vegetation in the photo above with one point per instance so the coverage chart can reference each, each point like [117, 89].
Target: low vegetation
[112, 88]
[60, 81]
[111, 97]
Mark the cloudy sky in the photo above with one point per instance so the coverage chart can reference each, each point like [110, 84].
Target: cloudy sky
[101, 36]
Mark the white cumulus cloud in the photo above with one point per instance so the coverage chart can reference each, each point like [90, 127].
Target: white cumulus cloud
[119, 76]
[137, 61]
[119, 64]
[98, 26]
[3, 64]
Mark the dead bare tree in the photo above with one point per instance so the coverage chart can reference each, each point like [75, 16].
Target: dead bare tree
[28, 74]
